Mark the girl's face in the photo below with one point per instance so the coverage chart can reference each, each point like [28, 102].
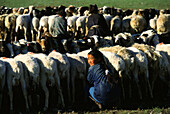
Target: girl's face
[91, 60]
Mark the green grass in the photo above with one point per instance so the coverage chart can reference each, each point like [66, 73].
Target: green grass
[134, 4]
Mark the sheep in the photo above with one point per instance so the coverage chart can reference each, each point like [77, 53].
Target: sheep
[164, 48]
[24, 22]
[43, 25]
[163, 24]
[48, 73]
[126, 23]
[137, 65]
[31, 70]
[152, 23]
[34, 28]
[63, 66]
[115, 25]
[2, 25]
[150, 37]
[118, 64]
[14, 78]
[133, 65]
[124, 39]
[153, 61]
[138, 24]
[80, 26]
[78, 70]
[108, 18]
[10, 24]
[2, 80]
[71, 24]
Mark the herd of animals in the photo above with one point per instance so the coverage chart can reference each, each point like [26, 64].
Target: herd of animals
[137, 52]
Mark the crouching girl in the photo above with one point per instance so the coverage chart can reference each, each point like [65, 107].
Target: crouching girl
[103, 89]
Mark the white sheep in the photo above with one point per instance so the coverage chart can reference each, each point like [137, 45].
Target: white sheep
[80, 25]
[24, 22]
[31, 70]
[71, 23]
[15, 77]
[63, 66]
[34, 27]
[150, 37]
[136, 66]
[43, 26]
[48, 73]
[118, 64]
[152, 23]
[124, 39]
[138, 24]
[78, 70]
[163, 24]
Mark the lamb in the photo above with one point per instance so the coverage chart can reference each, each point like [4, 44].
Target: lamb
[49, 73]
[15, 77]
[63, 66]
[78, 70]
[2, 79]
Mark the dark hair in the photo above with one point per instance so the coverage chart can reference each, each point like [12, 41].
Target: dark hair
[97, 54]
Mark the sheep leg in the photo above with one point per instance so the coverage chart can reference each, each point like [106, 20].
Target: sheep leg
[148, 83]
[123, 90]
[137, 82]
[16, 30]
[57, 79]
[45, 89]
[32, 32]
[24, 90]
[68, 86]
[25, 33]
[121, 78]
[73, 86]
[9, 82]
[1, 89]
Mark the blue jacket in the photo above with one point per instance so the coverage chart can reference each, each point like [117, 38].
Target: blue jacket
[104, 92]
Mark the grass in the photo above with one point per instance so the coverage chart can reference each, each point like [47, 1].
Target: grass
[134, 4]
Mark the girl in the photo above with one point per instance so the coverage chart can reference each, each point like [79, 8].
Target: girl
[103, 89]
